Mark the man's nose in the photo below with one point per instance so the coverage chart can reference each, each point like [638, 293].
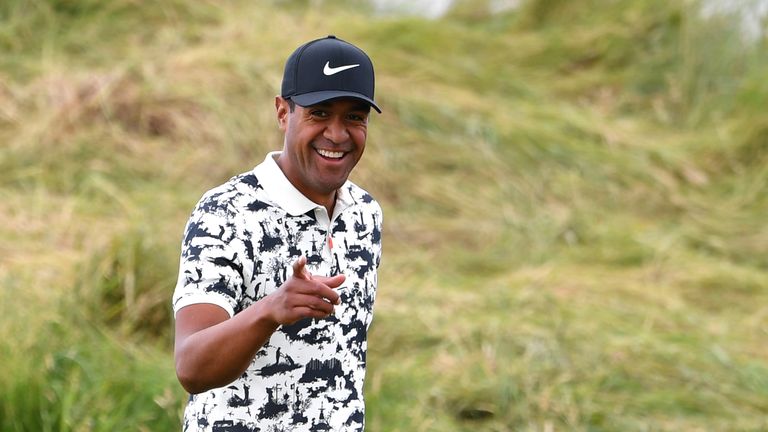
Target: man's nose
[336, 131]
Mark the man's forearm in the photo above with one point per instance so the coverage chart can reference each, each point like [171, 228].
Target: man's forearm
[213, 350]
[217, 355]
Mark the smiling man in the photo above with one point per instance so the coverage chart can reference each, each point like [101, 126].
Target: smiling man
[278, 266]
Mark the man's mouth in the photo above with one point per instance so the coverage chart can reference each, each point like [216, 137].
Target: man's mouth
[330, 154]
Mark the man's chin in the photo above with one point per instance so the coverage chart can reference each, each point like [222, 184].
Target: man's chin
[336, 185]
[332, 182]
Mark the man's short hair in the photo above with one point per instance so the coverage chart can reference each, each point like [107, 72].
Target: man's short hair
[292, 105]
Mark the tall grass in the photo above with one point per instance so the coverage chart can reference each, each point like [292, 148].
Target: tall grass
[574, 196]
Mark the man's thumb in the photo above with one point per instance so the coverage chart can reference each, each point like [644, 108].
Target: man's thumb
[336, 281]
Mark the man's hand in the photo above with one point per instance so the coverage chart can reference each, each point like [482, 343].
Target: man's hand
[304, 295]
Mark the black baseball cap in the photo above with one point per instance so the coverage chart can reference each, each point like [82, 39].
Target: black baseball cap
[328, 68]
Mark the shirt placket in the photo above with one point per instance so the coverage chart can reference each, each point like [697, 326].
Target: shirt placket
[321, 215]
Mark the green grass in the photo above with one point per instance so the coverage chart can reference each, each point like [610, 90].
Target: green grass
[574, 196]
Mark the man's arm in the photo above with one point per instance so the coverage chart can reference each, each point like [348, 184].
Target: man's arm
[212, 350]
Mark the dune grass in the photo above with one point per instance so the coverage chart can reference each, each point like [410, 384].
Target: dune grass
[574, 197]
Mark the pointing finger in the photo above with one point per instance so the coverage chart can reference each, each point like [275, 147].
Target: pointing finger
[300, 268]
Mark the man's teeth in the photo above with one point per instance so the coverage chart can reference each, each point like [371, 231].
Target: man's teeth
[330, 154]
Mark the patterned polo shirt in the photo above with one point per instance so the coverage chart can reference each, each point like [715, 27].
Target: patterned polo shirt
[238, 247]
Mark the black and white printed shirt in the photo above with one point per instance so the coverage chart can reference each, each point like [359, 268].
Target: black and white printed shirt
[239, 245]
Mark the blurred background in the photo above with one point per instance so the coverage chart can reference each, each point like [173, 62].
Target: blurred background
[575, 196]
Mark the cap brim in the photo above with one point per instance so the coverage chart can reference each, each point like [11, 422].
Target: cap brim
[313, 98]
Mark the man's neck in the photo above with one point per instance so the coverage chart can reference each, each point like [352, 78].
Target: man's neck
[327, 201]
[330, 204]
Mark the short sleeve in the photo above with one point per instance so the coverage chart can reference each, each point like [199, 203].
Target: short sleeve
[210, 270]
[377, 228]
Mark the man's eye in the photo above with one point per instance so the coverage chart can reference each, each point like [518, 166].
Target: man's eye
[356, 117]
[319, 113]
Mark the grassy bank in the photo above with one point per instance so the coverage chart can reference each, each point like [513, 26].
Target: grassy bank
[573, 194]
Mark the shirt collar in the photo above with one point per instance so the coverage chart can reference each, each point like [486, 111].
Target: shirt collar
[283, 193]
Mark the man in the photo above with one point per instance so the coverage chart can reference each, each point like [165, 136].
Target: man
[278, 267]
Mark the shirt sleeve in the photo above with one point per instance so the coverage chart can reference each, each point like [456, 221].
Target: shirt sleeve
[210, 270]
[378, 226]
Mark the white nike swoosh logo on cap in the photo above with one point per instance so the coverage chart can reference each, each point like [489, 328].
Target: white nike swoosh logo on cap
[328, 70]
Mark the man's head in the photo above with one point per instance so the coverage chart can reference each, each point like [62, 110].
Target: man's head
[327, 94]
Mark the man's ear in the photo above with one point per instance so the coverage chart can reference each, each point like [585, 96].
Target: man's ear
[282, 109]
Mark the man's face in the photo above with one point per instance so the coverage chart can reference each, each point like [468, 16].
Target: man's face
[322, 144]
